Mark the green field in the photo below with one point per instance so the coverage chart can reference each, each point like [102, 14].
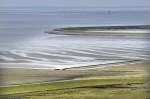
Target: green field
[111, 88]
[70, 84]
[84, 93]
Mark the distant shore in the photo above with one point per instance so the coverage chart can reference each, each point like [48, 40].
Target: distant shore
[133, 30]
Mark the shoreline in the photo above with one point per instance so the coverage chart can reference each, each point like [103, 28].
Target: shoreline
[29, 76]
[78, 67]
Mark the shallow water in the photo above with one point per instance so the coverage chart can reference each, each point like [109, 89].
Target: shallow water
[23, 43]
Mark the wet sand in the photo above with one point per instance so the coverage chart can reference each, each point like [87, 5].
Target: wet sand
[15, 76]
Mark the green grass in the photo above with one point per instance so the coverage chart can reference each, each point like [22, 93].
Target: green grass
[68, 84]
[93, 93]
[84, 93]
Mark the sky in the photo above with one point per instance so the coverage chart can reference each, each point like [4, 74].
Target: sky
[76, 3]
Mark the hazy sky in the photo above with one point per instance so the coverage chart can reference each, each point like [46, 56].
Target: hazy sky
[83, 3]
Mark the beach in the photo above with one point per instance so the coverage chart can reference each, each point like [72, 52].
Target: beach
[14, 76]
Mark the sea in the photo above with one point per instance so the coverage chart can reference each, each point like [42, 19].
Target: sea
[25, 44]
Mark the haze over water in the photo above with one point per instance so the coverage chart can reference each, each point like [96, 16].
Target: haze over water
[24, 43]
